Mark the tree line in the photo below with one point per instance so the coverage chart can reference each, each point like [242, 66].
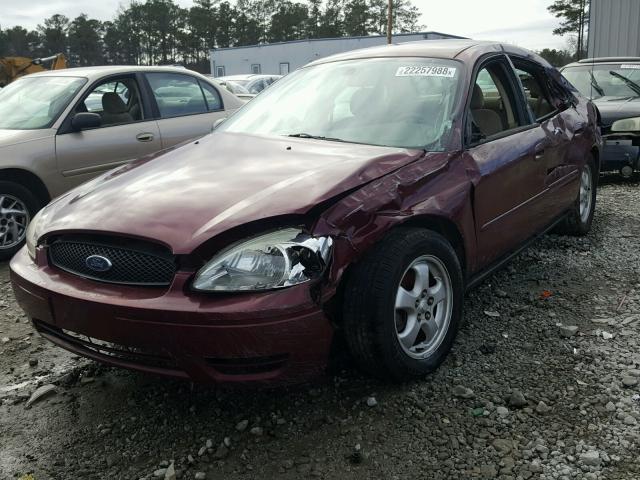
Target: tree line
[155, 32]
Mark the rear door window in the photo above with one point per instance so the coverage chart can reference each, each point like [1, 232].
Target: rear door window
[177, 94]
[211, 95]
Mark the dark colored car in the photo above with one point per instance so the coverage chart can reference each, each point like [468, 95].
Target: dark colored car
[613, 84]
[306, 215]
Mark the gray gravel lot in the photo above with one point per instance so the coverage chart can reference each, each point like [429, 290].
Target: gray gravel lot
[523, 395]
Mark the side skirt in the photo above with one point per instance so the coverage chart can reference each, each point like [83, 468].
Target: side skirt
[480, 276]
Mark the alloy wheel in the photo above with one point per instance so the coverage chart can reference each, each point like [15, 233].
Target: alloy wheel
[585, 193]
[423, 306]
[14, 218]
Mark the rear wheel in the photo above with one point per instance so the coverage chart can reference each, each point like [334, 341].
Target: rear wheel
[580, 218]
[403, 305]
[17, 207]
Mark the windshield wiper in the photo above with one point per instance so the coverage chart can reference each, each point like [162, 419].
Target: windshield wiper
[316, 137]
[630, 83]
[595, 84]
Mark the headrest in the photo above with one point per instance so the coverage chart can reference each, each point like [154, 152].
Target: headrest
[112, 103]
[477, 98]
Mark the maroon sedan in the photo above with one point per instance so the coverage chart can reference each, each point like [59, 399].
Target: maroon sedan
[361, 196]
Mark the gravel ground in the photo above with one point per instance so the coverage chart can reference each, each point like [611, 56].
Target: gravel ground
[524, 395]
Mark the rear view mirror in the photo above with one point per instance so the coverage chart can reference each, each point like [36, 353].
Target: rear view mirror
[84, 120]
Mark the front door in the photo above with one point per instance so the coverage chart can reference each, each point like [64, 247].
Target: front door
[127, 132]
[506, 154]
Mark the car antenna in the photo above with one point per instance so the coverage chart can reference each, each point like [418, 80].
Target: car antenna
[593, 63]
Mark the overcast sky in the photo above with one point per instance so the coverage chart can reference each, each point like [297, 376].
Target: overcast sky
[523, 22]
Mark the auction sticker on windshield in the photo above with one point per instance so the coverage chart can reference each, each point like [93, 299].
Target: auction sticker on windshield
[631, 66]
[426, 71]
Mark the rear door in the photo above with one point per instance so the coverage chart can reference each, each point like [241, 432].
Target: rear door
[186, 107]
[128, 130]
[561, 125]
[508, 175]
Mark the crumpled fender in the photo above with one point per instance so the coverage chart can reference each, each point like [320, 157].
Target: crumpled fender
[436, 187]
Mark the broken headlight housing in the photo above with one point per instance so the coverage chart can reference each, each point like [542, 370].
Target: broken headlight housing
[275, 260]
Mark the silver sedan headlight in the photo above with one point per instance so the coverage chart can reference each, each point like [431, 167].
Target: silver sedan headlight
[34, 231]
[274, 260]
[626, 125]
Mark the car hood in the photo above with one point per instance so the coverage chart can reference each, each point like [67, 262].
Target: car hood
[188, 195]
[616, 108]
[12, 137]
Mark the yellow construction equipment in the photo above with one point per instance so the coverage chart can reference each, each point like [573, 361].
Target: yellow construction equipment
[15, 67]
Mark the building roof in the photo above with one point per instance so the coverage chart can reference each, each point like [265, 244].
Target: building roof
[304, 40]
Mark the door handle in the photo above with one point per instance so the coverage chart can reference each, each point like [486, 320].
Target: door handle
[539, 150]
[144, 137]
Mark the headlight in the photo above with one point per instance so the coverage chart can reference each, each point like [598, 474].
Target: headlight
[34, 230]
[626, 125]
[275, 260]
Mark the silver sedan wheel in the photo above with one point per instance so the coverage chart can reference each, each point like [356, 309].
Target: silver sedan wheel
[14, 218]
[424, 302]
[586, 184]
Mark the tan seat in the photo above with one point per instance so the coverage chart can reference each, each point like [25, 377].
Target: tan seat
[114, 110]
[537, 100]
[487, 121]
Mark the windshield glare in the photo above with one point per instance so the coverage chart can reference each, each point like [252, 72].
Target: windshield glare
[30, 103]
[612, 80]
[398, 102]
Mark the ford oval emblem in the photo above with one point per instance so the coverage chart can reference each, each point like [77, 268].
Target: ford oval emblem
[98, 263]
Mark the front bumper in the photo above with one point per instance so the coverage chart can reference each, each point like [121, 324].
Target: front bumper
[269, 337]
[619, 151]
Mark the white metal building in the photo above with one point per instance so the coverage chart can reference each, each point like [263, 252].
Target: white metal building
[284, 57]
[614, 28]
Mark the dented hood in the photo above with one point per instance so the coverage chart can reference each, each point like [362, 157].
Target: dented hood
[188, 195]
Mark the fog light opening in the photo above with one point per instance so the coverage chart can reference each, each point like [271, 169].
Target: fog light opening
[626, 171]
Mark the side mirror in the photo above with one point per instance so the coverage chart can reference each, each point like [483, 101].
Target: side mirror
[84, 120]
[217, 123]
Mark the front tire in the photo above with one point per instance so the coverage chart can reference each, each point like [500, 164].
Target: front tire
[579, 220]
[403, 305]
[17, 207]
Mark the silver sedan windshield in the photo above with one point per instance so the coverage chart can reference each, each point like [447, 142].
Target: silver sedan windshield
[398, 102]
[36, 102]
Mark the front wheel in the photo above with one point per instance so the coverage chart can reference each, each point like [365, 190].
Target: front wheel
[403, 305]
[580, 218]
[17, 207]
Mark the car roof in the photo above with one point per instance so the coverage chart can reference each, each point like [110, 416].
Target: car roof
[466, 50]
[589, 61]
[93, 73]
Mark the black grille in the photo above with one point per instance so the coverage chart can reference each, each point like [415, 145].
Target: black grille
[132, 262]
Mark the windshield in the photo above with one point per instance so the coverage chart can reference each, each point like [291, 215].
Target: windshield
[398, 102]
[36, 102]
[605, 80]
